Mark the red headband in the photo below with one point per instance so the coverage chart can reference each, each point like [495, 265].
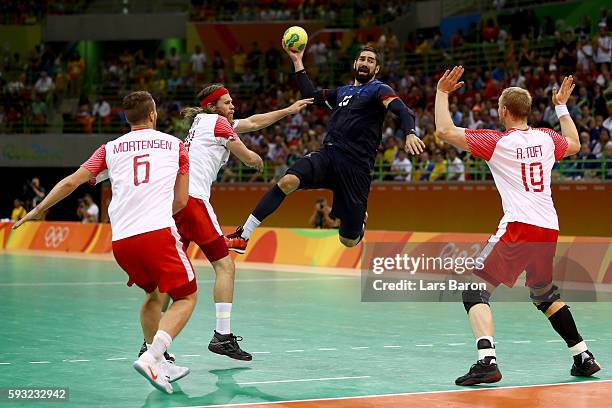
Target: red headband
[213, 97]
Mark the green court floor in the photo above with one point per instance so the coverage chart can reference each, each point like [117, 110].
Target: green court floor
[74, 323]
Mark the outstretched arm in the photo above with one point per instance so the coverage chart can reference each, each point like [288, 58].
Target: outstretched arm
[296, 57]
[262, 120]
[324, 97]
[568, 128]
[60, 191]
[445, 127]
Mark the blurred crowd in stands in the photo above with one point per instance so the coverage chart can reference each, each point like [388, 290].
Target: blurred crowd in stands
[33, 11]
[48, 91]
[358, 13]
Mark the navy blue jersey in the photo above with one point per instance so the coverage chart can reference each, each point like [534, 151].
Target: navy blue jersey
[356, 122]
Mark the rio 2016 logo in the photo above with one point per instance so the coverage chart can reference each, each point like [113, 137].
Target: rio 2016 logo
[54, 236]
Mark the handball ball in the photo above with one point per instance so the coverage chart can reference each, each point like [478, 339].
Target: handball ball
[295, 38]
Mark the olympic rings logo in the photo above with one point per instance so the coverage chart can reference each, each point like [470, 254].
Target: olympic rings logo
[54, 236]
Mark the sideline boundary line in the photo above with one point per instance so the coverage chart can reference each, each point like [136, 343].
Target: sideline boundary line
[510, 387]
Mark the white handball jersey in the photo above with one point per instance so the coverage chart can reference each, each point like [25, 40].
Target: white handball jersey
[207, 145]
[521, 162]
[142, 167]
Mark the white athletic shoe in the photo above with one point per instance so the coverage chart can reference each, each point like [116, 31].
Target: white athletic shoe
[172, 371]
[155, 374]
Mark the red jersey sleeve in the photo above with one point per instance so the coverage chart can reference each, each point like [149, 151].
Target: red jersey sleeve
[482, 142]
[385, 92]
[560, 142]
[97, 162]
[183, 159]
[224, 129]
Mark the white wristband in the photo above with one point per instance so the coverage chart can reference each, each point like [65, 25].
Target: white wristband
[561, 110]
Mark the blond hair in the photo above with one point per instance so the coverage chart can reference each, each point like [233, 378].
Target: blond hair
[517, 101]
[191, 112]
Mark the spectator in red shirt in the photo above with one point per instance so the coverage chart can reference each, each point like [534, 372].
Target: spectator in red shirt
[490, 31]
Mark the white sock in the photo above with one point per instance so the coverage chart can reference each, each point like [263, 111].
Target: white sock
[224, 314]
[487, 352]
[578, 349]
[249, 226]
[161, 342]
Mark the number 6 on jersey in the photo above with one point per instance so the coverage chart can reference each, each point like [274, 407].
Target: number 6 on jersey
[147, 169]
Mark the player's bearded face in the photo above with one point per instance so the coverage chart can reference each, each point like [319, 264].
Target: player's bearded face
[225, 107]
[365, 67]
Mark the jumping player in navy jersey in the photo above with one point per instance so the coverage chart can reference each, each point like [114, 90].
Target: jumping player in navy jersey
[345, 162]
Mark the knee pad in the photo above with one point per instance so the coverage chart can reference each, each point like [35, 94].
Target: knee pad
[349, 243]
[473, 297]
[542, 302]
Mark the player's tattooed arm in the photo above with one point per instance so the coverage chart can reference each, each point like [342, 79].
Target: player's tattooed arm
[60, 191]
[445, 127]
[568, 128]
[244, 154]
[262, 120]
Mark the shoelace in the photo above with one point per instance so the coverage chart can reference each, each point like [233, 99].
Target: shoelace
[232, 342]
[479, 363]
[236, 234]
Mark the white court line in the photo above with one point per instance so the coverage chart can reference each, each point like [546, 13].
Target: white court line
[5, 363]
[77, 361]
[116, 358]
[521, 341]
[392, 346]
[260, 352]
[303, 380]
[327, 349]
[190, 355]
[199, 281]
[359, 348]
[457, 344]
[554, 341]
[40, 362]
[423, 345]
[37, 284]
[404, 394]
[294, 351]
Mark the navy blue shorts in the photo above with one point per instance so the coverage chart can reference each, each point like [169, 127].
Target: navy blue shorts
[330, 169]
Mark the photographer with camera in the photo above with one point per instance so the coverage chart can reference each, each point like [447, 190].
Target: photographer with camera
[33, 192]
[88, 211]
[321, 217]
